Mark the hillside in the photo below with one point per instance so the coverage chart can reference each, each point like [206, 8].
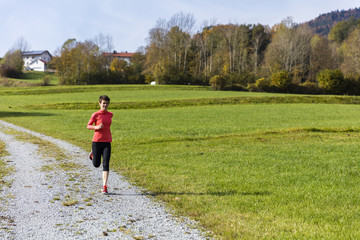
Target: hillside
[323, 24]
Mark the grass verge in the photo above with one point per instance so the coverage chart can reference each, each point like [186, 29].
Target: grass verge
[261, 169]
[5, 169]
[203, 102]
[47, 148]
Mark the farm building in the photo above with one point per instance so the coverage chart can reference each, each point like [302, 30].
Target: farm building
[126, 56]
[36, 60]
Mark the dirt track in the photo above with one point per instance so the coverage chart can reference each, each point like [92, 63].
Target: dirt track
[61, 199]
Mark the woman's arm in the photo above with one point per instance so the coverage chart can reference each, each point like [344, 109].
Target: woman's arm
[92, 127]
[91, 122]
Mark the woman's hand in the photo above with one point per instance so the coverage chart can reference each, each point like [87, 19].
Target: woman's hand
[100, 126]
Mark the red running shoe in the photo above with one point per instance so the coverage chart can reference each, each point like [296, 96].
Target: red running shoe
[104, 189]
[91, 156]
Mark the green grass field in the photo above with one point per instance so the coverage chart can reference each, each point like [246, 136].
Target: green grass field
[245, 165]
[31, 78]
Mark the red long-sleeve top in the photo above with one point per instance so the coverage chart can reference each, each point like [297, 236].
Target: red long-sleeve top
[103, 134]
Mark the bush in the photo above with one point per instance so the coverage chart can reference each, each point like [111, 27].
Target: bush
[282, 80]
[263, 84]
[46, 80]
[12, 64]
[332, 81]
[10, 72]
[235, 87]
[308, 88]
[352, 85]
[4, 82]
[218, 82]
[149, 78]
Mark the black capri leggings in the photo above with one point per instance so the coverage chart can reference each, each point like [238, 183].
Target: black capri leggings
[104, 149]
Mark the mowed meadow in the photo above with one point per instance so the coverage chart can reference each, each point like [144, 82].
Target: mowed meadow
[245, 165]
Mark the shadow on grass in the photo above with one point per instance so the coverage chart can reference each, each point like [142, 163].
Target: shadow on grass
[24, 114]
[220, 194]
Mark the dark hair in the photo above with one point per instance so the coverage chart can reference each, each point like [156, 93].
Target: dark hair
[104, 97]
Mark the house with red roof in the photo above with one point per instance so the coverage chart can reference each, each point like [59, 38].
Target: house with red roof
[126, 56]
[36, 60]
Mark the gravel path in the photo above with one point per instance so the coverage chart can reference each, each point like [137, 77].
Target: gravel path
[34, 207]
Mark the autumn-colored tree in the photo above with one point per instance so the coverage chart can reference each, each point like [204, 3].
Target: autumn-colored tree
[321, 56]
[182, 24]
[136, 68]
[260, 38]
[207, 61]
[167, 52]
[156, 50]
[342, 30]
[233, 48]
[232, 51]
[290, 50]
[117, 65]
[351, 53]
[119, 70]
[12, 64]
[80, 63]
[332, 81]
[218, 82]
[62, 62]
[282, 80]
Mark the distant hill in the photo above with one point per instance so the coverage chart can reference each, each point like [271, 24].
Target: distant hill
[323, 24]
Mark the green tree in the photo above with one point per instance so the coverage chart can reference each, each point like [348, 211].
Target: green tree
[12, 64]
[218, 82]
[136, 68]
[63, 62]
[332, 81]
[341, 30]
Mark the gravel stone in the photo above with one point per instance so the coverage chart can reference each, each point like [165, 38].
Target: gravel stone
[53, 203]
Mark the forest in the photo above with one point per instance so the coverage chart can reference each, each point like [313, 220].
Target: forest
[287, 57]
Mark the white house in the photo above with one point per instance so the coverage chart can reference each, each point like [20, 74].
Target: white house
[36, 60]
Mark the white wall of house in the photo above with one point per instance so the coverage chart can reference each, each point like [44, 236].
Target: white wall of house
[125, 56]
[37, 65]
[126, 59]
[36, 60]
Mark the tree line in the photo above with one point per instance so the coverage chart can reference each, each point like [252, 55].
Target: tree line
[325, 22]
[287, 57]
[85, 63]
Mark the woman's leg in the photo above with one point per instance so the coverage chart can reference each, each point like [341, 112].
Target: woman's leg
[105, 177]
[96, 150]
[106, 163]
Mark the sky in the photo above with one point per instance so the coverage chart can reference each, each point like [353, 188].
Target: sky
[46, 25]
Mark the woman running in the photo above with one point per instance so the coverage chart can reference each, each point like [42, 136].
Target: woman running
[101, 145]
